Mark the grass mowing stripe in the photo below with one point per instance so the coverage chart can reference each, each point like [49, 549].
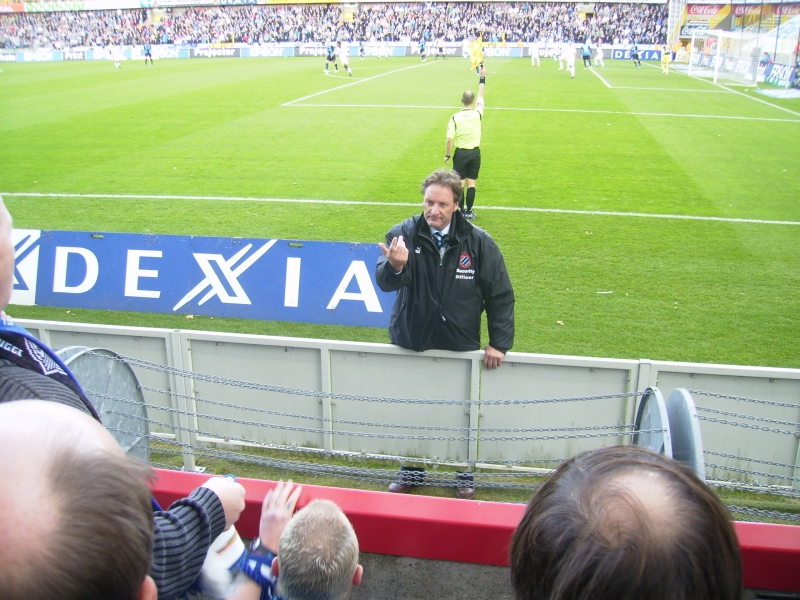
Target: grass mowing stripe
[415, 204]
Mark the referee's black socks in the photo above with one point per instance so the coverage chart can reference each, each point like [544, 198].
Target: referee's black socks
[470, 198]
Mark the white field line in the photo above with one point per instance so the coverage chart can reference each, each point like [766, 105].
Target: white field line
[655, 89]
[339, 87]
[736, 92]
[562, 110]
[757, 99]
[601, 78]
[414, 204]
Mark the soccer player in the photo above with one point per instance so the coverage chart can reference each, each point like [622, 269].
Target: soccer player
[535, 47]
[331, 57]
[114, 54]
[147, 52]
[599, 56]
[440, 49]
[551, 49]
[665, 60]
[422, 49]
[560, 49]
[465, 48]
[586, 53]
[568, 56]
[635, 55]
[361, 50]
[383, 50]
[344, 56]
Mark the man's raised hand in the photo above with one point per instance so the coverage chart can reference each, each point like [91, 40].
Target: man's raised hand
[396, 253]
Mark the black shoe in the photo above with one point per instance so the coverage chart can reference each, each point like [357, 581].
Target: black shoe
[465, 488]
[406, 479]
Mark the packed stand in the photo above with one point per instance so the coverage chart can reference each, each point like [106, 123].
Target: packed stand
[318, 23]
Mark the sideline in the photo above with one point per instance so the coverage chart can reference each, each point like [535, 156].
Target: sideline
[603, 213]
[561, 110]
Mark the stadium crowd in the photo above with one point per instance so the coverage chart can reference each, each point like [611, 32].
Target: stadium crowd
[501, 22]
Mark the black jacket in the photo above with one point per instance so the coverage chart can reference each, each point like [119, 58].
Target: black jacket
[440, 299]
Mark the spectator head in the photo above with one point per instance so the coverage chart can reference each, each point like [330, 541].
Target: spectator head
[6, 256]
[317, 555]
[467, 99]
[623, 522]
[76, 521]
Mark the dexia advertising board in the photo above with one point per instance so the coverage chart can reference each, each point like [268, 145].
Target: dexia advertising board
[281, 280]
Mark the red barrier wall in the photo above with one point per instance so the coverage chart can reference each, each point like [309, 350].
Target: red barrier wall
[472, 531]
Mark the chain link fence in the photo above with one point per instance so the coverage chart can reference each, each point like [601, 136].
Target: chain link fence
[187, 436]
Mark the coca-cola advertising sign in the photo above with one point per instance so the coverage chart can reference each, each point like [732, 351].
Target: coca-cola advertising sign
[708, 10]
[787, 9]
[740, 10]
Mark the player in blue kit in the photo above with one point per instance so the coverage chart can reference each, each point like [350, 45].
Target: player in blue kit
[422, 49]
[586, 53]
[635, 56]
[147, 52]
[331, 57]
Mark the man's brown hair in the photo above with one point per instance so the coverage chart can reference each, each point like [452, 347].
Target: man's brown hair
[447, 178]
[101, 544]
[625, 523]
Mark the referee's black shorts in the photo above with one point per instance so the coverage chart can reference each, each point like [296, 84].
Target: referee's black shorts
[467, 163]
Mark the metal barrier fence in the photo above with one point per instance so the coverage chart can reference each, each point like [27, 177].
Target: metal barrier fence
[320, 398]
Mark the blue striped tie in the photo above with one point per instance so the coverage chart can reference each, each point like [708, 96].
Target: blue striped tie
[439, 238]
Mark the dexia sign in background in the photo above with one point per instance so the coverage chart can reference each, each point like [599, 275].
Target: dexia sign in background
[314, 282]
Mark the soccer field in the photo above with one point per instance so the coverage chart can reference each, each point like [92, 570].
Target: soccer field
[654, 216]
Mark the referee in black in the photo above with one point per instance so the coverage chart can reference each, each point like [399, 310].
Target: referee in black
[464, 139]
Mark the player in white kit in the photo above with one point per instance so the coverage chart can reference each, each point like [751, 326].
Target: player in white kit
[344, 56]
[568, 55]
[535, 47]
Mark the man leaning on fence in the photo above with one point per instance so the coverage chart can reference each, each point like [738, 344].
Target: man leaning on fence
[446, 271]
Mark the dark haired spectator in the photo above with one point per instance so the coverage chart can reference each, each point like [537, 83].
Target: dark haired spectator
[75, 515]
[625, 523]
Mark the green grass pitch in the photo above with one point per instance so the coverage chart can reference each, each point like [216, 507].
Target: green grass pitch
[615, 141]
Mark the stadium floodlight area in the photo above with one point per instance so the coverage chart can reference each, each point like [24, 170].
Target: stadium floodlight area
[728, 57]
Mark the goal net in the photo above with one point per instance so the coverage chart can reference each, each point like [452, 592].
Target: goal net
[728, 57]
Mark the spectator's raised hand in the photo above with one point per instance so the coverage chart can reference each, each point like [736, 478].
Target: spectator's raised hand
[276, 512]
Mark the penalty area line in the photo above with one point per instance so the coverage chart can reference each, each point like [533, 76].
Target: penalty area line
[602, 213]
[732, 91]
[339, 87]
[608, 85]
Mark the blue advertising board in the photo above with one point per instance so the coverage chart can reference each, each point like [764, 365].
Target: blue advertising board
[281, 280]
[622, 54]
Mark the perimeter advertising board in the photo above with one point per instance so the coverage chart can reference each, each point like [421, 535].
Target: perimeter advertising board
[280, 280]
[780, 75]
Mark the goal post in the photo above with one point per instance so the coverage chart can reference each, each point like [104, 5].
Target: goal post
[728, 57]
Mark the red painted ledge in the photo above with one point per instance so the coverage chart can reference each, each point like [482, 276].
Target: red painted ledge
[472, 531]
